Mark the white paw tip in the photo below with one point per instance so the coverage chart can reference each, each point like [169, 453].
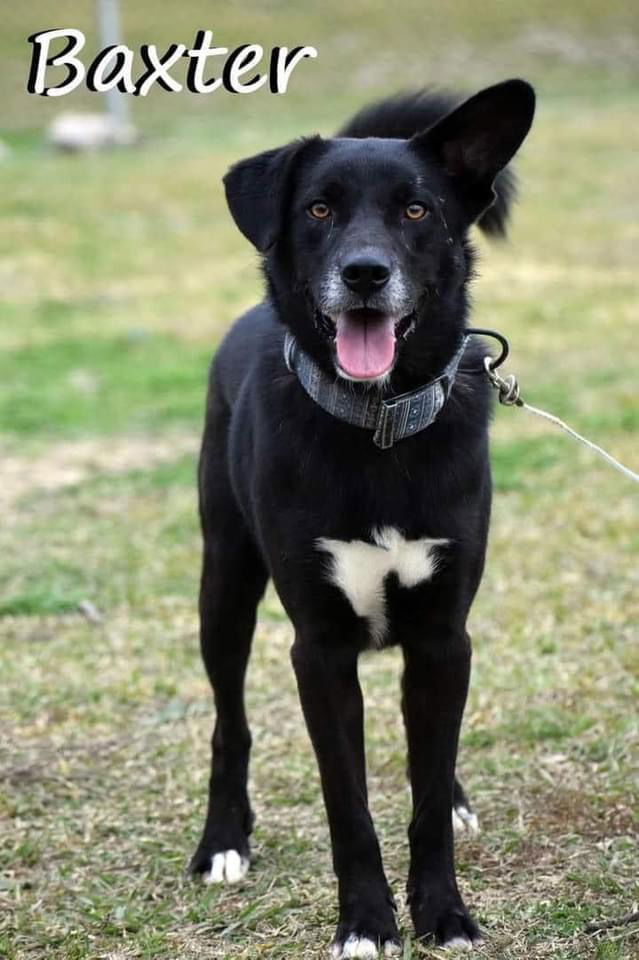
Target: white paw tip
[363, 948]
[227, 867]
[465, 821]
[458, 943]
[360, 947]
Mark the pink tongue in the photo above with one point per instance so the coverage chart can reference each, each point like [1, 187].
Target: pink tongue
[365, 347]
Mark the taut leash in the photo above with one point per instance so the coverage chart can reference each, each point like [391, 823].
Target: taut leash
[509, 395]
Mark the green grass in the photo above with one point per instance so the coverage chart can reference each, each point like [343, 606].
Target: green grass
[119, 274]
[142, 381]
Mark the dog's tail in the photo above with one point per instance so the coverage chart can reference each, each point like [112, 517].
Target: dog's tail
[405, 115]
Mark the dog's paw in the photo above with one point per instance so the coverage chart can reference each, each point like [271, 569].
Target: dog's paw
[363, 947]
[367, 926]
[465, 821]
[445, 919]
[226, 866]
[459, 943]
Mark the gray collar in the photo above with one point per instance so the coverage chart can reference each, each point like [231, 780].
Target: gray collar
[392, 418]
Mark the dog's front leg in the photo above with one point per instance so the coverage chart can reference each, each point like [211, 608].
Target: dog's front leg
[435, 684]
[332, 703]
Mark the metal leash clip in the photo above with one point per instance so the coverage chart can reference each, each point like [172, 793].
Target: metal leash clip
[508, 388]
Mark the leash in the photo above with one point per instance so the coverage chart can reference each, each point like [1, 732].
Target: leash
[509, 396]
[393, 418]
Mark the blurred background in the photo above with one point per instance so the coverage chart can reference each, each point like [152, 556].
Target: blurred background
[119, 271]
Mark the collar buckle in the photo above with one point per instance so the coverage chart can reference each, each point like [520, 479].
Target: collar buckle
[383, 436]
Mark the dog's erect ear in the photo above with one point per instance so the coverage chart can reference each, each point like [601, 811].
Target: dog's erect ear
[477, 140]
[256, 192]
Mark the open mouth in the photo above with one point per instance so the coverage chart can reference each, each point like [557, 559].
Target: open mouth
[365, 341]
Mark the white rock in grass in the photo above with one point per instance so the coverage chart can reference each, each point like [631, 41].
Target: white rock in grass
[89, 132]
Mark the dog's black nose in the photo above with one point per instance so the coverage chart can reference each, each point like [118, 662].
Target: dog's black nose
[365, 275]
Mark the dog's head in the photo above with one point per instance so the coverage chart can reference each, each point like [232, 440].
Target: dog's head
[365, 239]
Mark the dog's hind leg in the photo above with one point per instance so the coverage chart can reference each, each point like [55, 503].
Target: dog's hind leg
[233, 580]
[465, 821]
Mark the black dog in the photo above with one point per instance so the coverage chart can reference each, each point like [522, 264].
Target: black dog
[345, 455]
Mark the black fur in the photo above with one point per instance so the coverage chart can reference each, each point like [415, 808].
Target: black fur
[405, 115]
[277, 472]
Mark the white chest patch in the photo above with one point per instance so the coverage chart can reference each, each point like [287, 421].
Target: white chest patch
[359, 568]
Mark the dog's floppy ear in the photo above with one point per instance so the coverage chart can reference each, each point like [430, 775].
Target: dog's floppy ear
[477, 140]
[256, 192]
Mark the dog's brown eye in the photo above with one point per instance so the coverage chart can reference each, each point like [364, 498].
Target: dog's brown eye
[319, 210]
[416, 211]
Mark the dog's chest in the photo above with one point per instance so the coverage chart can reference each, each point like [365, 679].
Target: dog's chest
[359, 568]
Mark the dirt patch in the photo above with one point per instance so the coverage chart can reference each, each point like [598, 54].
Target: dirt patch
[66, 464]
[562, 812]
